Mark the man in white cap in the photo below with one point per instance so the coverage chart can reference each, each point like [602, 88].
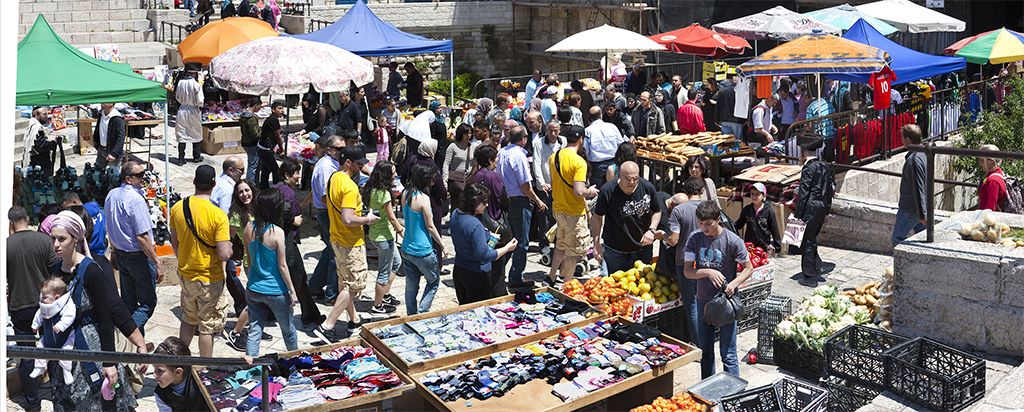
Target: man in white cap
[548, 107]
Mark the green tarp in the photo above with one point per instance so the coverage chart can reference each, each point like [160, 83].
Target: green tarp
[52, 72]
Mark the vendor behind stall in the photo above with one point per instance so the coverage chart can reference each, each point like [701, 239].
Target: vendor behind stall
[188, 126]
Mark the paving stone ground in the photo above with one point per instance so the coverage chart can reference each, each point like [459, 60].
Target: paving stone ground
[851, 269]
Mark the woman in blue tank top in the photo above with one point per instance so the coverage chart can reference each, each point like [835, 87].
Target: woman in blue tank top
[270, 287]
[417, 251]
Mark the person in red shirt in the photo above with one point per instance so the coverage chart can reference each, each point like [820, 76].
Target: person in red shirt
[689, 116]
[992, 192]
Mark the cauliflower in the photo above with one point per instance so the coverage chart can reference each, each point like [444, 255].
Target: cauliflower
[818, 313]
[785, 329]
[816, 330]
[817, 301]
[827, 291]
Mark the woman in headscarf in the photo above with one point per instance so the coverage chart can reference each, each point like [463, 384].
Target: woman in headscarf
[438, 192]
[516, 114]
[99, 311]
[417, 130]
[664, 102]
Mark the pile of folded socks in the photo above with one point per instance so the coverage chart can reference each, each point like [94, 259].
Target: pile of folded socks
[575, 362]
[312, 379]
[459, 332]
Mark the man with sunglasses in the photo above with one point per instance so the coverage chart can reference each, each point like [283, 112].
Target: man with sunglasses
[232, 171]
[324, 282]
[627, 214]
[130, 231]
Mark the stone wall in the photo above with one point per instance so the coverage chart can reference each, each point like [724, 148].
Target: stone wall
[470, 26]
[967, 294]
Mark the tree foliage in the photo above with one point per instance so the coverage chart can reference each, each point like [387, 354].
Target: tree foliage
[1003, 127]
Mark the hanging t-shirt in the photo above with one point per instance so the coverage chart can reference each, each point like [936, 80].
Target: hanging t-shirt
[881, 84]
[764, 87]
[742, 89]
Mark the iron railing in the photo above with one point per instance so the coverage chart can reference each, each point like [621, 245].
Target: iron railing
[317, 24]
[157, 4]
[31, 352]
[172, 33]
[300, 7]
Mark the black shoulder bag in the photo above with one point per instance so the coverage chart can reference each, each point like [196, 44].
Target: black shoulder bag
[192, 225]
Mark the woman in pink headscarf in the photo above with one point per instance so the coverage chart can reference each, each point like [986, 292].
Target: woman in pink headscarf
[100, 311]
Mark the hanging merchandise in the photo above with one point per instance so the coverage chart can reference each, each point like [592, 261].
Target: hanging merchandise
[764, 87]
[742, 90]
[881, 83]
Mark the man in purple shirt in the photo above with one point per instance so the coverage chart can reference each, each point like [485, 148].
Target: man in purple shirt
[325, 277]
[130, 230]
[514, 168]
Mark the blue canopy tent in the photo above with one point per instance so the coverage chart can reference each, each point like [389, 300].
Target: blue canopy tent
[363, 33]
[909, 64]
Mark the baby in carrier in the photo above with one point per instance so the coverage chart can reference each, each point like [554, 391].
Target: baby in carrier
[53, 322]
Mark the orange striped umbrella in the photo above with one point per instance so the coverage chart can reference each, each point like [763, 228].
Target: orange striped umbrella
[817, 54]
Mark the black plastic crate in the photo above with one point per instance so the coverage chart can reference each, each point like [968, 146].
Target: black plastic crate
[751, 295]
[857, 353]
[846, 396]
[771, 312]
[935, 375]
[802, 362]
[786, 395]
[671, 322]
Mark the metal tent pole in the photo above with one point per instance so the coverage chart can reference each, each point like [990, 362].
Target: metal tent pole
[167, 167]
[451, 77]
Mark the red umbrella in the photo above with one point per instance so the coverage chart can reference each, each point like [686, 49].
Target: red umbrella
[699, 41]
[955, 47]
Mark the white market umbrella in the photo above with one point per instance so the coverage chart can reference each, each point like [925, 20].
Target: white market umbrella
[285, 65]
[911, 17]
[777, 23]
[606, 39]
[844, 16]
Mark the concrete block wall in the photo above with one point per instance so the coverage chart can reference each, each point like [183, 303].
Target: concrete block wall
[87, 22]
[967, 294]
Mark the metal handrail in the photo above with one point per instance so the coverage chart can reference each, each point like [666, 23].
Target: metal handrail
[74, 355]
[172, 33]
[301, 8]
[318, 23]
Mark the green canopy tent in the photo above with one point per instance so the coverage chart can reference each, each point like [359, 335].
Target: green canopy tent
[51, 72]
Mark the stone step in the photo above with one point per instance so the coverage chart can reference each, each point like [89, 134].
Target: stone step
[77, 5]
[94, 16]
[93, 26]
[117, 37]
[143, 54]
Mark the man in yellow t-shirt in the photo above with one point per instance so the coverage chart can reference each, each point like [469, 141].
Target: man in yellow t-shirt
[345, 210]
[569, 191]
[199, 236]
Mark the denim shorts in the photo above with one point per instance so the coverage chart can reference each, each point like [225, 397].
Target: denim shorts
[388, 260]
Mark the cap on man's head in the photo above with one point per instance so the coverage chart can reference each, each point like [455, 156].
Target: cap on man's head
[205, 174]
[551, 91]
[759, 187]
[355, 154]
[573, 132]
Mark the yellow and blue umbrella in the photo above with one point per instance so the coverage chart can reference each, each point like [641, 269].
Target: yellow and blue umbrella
[817, 54]
[993, 47]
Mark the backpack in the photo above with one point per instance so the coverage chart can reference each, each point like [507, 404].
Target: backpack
[401, 151]
[1014, 202]
[250, 126]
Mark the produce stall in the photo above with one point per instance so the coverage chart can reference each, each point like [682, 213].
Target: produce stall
[665, 155]
[347, 375]
[435, 339]
[563, 372]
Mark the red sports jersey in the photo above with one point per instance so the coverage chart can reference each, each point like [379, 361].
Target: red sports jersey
[881, 84]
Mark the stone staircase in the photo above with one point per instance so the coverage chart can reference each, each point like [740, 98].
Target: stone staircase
[85, 23]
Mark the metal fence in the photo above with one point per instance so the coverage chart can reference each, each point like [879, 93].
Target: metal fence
[317, 24]
[171, 33]
[299, 8]
[862, 135]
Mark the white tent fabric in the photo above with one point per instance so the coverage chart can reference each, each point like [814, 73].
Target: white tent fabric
[911, 17]
[286, 65]
[777, 23]
[606, 39]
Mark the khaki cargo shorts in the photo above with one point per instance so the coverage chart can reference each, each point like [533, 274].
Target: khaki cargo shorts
[352, 270]
[202, 305]
[573, 234]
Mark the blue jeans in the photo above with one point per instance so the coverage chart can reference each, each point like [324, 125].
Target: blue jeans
[252, 157]
[415, 267]
[388, 261]
[326, 273]
[138, 285]
[733, 128]
[260, 308]
[688, 291]
[726, 343]
[519, 216]
[190, 5]
[907, 225]
[615, 260]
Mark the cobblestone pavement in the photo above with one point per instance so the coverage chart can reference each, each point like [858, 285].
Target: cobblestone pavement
[850, 269]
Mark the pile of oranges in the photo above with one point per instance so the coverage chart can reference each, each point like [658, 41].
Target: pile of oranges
[598, 291]
[681, 402]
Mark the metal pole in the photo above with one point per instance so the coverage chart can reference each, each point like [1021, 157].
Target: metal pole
[265, 385]
[167, 166]
[451, 77]
[929, 196]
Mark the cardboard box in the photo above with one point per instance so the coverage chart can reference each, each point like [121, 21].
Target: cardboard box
[771, 173]
[222, 140]
[85, 128]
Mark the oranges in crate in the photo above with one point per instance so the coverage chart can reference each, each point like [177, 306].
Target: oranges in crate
[681, 402]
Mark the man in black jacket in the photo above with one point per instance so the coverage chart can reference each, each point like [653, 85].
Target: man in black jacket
[109, 136]
[910, 215]
[814, 201]
[613, 115]
[413, 85]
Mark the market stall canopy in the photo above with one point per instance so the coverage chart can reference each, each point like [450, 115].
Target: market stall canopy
[51, 72]
[992, 47]
[817, 54]
[606, 39]
[363, 33]
[221, 35]
[286, 65]
[844, 16]
[778, 23]
[699, 41]
[908, 64]
[908, 16]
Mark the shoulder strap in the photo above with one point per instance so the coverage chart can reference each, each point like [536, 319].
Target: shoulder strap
[192, 224]
[78, 283]
[558, 167]
[328, 192]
